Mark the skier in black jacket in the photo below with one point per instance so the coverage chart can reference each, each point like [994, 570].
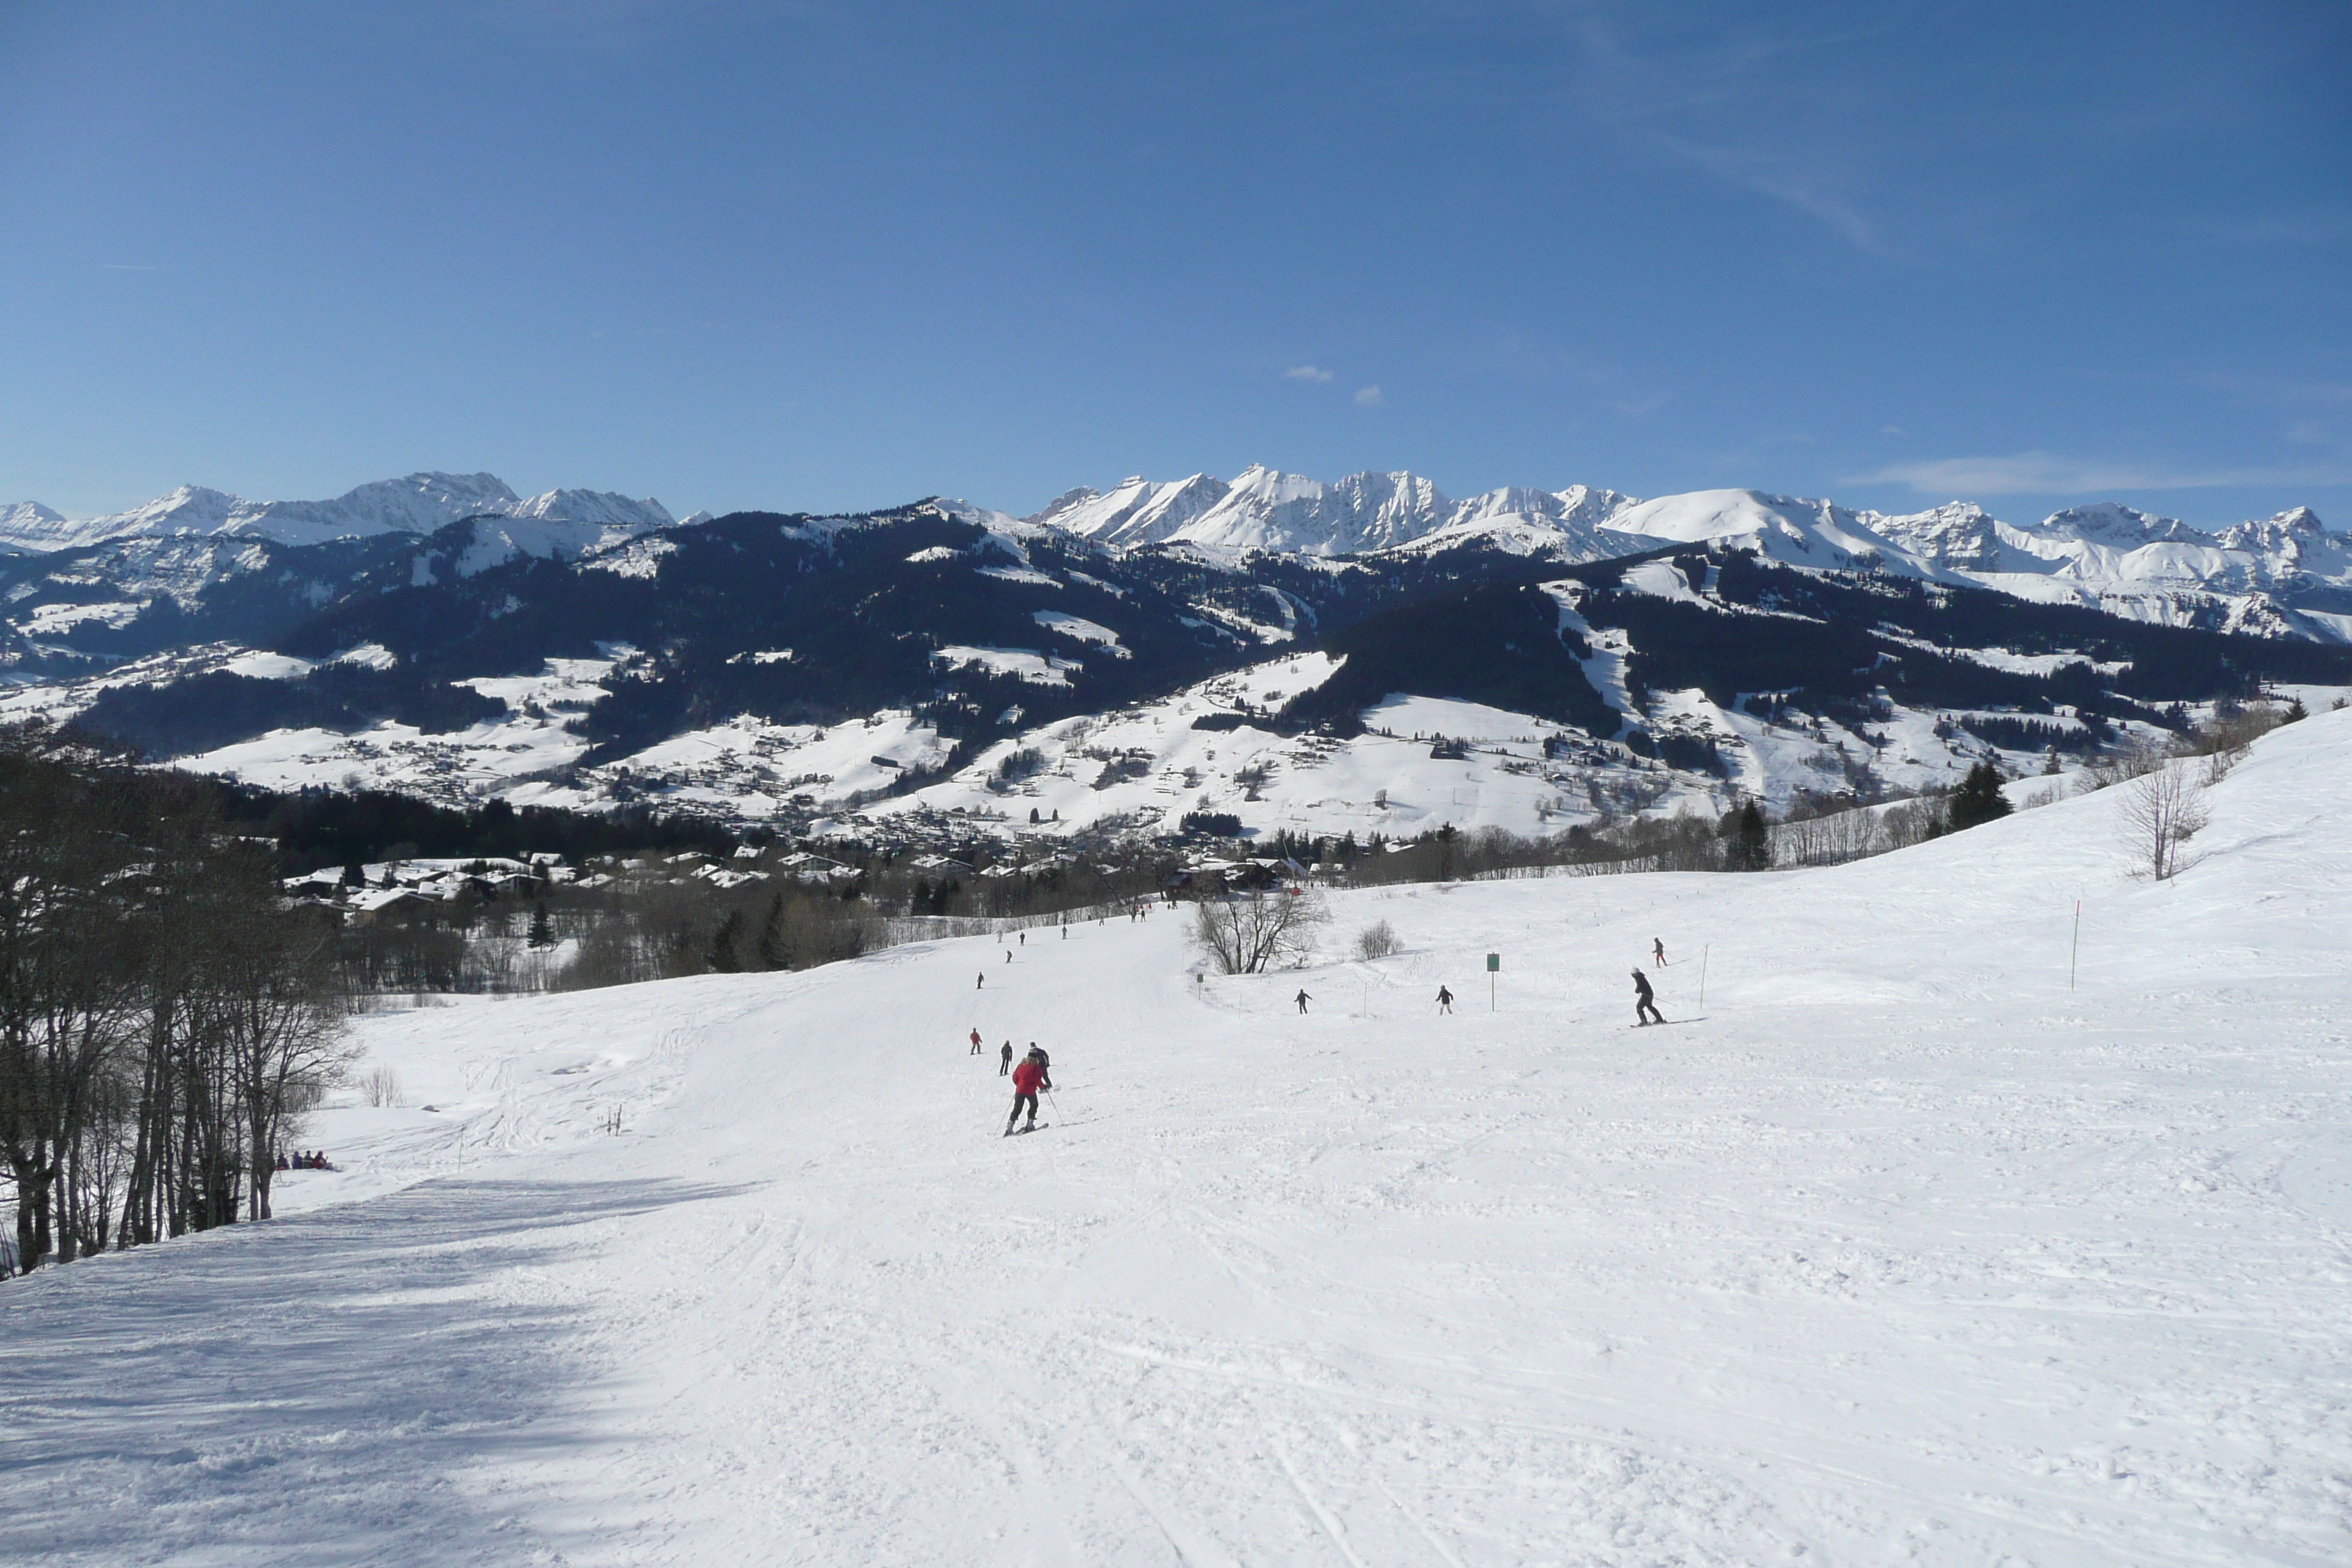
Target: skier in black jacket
[1645, 1006]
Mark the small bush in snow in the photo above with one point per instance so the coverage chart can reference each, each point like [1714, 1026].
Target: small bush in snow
[1020, 764]
[380, 1088]
[1378, 941]
[2136, 760]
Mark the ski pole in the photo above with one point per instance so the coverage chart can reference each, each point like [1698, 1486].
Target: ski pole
[1052, 1101]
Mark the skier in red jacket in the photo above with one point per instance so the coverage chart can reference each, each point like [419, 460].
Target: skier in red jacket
[1027, 1080]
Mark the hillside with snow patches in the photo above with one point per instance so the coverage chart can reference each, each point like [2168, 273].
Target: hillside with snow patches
[1919, 1235]
[2255, 575]
[1112, 661]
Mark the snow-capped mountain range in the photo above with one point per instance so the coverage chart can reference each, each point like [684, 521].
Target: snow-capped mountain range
[2287, 575]
[1527, 659]
[419, 503]
[2284, 577]
[1264, 509]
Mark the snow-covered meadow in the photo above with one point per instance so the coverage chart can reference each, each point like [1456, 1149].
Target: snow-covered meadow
[1897, 1249]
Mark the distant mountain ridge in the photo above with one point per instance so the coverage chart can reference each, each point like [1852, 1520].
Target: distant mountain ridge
[1266, 509]
[419, 503]
[2287, 575]
[940, 669]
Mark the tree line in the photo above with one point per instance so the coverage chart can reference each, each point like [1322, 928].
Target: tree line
[165, 1018]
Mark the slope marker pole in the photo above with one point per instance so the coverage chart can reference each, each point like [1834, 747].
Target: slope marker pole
[1703, 952]
[2074, 949]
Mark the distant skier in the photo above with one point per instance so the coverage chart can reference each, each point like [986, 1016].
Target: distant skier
[975, 1042]
[1004, 1063]
[1658, 950]
[1303, 1000]
[982, 982]
[1445, 1000]
[1030, 1076]
[1645, 1006]
[1008, 955]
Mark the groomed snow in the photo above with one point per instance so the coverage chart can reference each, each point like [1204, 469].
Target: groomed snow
[1897, 1249]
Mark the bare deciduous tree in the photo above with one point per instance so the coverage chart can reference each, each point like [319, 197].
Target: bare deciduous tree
[380, 1088]
[162, 1013]
[1248, 934]
[2161, 812]
[1378, 940]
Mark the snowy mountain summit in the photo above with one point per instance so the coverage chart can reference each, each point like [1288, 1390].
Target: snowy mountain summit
[2287, 575]
[420, 503]
[1266, 509]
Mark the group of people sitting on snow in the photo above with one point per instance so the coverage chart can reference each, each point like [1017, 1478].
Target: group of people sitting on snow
[308, 1159]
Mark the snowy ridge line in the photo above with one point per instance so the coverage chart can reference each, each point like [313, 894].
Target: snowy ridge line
[1621, 866]
[943, 927]
[1624, 866]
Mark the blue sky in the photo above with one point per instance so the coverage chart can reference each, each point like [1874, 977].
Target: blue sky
[820, 256]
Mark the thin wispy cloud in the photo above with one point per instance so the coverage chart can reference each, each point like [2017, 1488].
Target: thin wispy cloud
[2048, 473]
[1368, 397]
[2264, 229]
[1651, 87]
[1307, 373]
[2290, 390]
[1781, 180]
[623, 26]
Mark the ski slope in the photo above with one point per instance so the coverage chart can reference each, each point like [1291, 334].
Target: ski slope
[1897, 1250]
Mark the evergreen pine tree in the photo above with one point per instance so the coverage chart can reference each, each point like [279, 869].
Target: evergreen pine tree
[724, 958]
[1751, 845]
[772, 949]
[354, 875]
[543, 930]
[1979, 799]
[2295, 710]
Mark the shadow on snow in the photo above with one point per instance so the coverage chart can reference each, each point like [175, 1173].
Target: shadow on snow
[311, 1388]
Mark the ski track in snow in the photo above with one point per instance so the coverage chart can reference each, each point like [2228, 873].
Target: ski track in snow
[1902, 1252]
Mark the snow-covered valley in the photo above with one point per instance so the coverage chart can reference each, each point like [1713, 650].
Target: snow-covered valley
[1897, 1247]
